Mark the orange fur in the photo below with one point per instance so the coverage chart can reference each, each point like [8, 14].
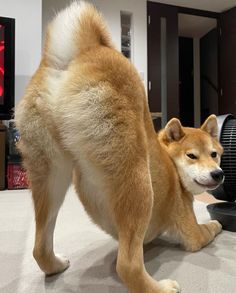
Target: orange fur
[90, 114]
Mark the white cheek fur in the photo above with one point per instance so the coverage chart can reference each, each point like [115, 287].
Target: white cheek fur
[189, 173]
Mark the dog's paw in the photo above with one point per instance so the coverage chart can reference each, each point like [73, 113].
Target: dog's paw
[169, 286]
[58, 265]
[217, 227]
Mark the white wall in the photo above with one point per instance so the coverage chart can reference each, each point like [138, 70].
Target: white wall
[111, 11]
[28, 16]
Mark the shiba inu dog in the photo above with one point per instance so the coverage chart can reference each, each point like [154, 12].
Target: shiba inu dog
[85, 112]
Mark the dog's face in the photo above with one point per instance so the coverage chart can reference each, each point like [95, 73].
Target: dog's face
[196, 154]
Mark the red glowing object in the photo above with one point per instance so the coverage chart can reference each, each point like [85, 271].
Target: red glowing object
[7, 67]
[2, 47]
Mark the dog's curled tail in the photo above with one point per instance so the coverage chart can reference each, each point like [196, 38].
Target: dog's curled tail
[74, 30]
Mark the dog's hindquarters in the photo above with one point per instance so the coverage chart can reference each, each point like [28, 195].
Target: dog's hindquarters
[74, 30]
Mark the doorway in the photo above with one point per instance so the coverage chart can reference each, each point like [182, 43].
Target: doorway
[186, 91]
[174, 77]
[198, 68]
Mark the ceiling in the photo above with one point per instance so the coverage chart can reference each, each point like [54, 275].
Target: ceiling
[210, 5]
[192, 26]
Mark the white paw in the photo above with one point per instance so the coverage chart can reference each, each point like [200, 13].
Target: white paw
[169, 286]
[59, 264]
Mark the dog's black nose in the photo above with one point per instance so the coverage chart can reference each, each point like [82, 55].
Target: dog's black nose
[217, 175]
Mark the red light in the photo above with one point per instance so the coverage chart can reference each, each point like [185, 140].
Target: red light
[2, 47]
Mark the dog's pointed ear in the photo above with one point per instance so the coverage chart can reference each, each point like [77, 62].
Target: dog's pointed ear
[211, 126]
[174, 130]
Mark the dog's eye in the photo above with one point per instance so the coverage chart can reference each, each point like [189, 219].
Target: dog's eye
[192, 156]
[214, 154]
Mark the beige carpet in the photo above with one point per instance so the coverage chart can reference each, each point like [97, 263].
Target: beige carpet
[93, 254]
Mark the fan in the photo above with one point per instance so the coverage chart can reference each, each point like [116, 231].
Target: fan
[225, 212]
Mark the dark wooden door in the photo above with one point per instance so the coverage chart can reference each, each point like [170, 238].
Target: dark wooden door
[209, 74]
[186, 101]
[227, 100]
[156, 13]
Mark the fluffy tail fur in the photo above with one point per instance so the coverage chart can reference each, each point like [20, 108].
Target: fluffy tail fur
[74, 30]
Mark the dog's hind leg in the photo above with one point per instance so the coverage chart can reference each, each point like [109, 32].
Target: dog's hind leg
[48, 191]
[132, 206]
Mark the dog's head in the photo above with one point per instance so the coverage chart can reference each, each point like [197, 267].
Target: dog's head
[196, 153]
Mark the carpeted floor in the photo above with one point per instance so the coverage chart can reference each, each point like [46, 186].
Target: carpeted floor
[93, 254]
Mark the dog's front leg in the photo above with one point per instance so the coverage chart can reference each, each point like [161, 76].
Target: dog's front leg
[194, 236]
[203, 235]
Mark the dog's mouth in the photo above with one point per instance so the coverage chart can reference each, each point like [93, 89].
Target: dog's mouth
[208, 186]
